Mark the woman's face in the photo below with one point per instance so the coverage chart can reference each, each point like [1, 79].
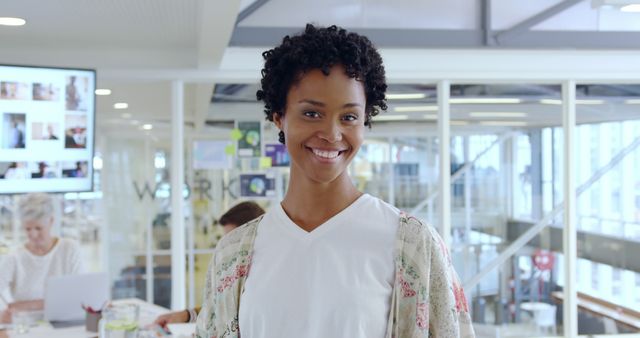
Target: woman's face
[38, 232]
[323, 123]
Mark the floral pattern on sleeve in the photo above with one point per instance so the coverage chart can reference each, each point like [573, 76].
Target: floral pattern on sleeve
[430, 300]
[227, 273]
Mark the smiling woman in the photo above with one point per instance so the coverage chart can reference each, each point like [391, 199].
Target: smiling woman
[25, 271]
[323, 126]
[329, 261]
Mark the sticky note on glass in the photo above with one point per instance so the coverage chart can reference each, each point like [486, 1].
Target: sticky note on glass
[236, 134]
[230, 149]
[265, 162]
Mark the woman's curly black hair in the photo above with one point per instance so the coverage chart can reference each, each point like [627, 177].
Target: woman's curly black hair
[322, 48]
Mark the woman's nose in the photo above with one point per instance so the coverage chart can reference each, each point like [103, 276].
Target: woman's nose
[331, 132]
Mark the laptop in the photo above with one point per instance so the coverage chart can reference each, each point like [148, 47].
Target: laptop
[64, 296]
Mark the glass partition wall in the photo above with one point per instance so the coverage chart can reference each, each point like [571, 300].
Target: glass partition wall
[496, 198]
[608, 206]
[506, 152]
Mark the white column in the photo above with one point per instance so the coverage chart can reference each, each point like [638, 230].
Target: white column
[509, 165]
[467, 192]
[570, 306]
[149, 168]
[58, 201]
[431, 164]
[178, 284]
[392, 174]
[444, 207]
[626, 194]
[468, 264]
[606, 149]
[191, 228]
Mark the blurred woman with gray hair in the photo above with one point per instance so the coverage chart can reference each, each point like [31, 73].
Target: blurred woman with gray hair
[24, 272]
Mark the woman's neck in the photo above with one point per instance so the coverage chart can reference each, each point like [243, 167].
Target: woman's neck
[309, 204]
[45, 248]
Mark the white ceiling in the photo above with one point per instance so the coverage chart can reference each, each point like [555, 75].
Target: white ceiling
[451, 14]
[139, 24]
[139, 46]
[126, 38]
[395, 14]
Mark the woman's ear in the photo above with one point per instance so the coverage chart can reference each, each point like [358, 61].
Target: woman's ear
[277, 119]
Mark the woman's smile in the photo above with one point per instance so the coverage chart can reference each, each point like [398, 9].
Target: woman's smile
[327, 155]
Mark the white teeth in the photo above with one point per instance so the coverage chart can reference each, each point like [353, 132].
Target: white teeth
[326, 154]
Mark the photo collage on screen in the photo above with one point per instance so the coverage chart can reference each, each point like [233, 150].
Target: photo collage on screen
[45, 124]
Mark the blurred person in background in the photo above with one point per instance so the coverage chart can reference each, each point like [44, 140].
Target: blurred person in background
[25, 271]
[238, 215]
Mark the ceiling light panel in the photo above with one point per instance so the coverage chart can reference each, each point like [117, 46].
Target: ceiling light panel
[9, 21]
[504, 123]
[390, 117]
[408, 109]
[551, 101]
[497, 114]
[414, 96]
[635, 8]
[484, 101]
[581, 101]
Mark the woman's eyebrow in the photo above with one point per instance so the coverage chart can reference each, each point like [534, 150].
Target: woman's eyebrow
[320, 104]
[312, 102]
[351, 105]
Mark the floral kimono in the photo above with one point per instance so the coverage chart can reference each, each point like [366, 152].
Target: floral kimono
[427, 298]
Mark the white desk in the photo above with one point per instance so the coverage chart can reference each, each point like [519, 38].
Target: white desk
[148, 313]
[49, 332]
[534, 306]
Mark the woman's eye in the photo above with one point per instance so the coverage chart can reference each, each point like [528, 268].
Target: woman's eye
[350, 117]
[311, 114]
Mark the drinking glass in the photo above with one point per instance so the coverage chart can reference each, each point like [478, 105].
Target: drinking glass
[23, 319]
[120, 321]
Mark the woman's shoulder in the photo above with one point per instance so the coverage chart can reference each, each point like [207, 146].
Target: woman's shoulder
[376, 208]
[415, 230]
[241, 235]
[67, 242]
[67, 245]
[8, 259]
[378, 203]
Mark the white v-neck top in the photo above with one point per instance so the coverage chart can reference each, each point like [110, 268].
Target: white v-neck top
[330, 282]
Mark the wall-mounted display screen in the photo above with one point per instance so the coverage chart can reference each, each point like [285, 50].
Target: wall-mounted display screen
[46, 129]
[211, 154]
[278, 154]
[257, 185]
[249, 143]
